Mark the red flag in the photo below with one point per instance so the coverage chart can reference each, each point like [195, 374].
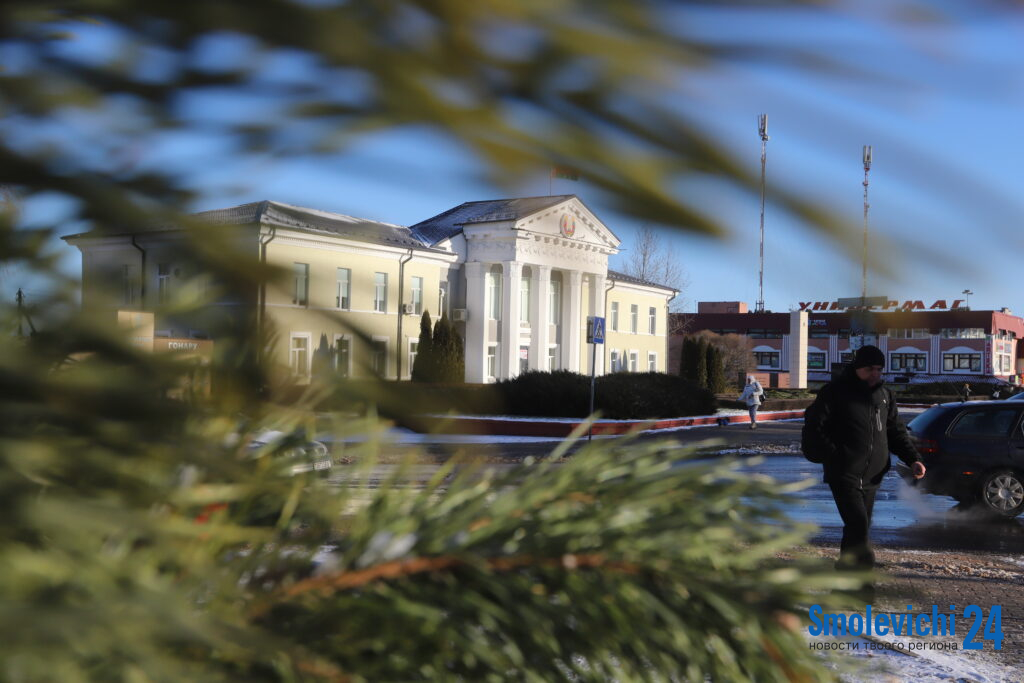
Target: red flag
[566, 172]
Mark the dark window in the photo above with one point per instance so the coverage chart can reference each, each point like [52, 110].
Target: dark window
[903, 362]
[985, 422]
[818, 334]
[762, 333]
[961, 361]
[816, 361]
[767, 359]
[845, 357]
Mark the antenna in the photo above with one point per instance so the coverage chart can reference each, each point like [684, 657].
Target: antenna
[967, 303]
[864, 274]
[762, 130]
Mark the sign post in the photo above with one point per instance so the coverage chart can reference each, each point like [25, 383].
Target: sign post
[595, 336]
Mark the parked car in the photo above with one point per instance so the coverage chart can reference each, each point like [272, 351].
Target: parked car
[306, 455]
[1016, 397]
[974, 452]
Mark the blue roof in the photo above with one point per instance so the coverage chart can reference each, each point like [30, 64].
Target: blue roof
[450, 223]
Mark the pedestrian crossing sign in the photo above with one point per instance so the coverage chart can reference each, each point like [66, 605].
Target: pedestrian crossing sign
[595, 330]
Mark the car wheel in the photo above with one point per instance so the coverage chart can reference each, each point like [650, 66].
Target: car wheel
[1002, 492]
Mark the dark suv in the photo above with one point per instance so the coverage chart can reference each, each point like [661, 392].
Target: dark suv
[974, 452]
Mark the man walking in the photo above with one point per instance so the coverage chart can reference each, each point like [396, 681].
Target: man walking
[851, 428]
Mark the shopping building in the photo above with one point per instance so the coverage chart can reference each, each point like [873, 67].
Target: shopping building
[922, 341]
[517, 277]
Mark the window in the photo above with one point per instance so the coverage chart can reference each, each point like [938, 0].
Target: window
[993, 423]
[767, 359]
[413, 347]
[763, 333]
[494, 294]
[614, 362]
[908, 362]
[615, 316]
[963, 333]
[492, 361]
[380, 292]
[843, 333]
[1004, 365]
[524, 296]
[417, 296]
[846, 357]
[634, 361]
[818, 333]
[163, 283]
[524, 359]
[379, 357]
[652, 320]
[634, 315]
[342, 298]
[816, 360]
[300, 296]
[298, 355]
[652, 361]
[908, 333]
[342, 355]
[555, 303]
[952, 362]
[129, 285]
[553, 358]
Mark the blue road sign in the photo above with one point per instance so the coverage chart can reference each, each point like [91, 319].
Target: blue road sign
[595, 330]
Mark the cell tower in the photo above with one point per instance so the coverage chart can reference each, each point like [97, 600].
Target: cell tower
[762, 130]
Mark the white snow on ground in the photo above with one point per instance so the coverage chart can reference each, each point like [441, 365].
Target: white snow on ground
[403, 436]
[919, 666]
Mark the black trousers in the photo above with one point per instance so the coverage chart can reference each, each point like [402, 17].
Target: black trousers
[855, 504]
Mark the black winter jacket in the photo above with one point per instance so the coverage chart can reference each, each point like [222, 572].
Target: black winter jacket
[853, 427]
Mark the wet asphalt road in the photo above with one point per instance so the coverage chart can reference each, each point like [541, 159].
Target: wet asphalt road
[903, 517]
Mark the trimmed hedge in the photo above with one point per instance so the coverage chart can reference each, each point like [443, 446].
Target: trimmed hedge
[619, 396]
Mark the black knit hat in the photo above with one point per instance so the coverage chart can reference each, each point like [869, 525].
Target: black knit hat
[867, 356]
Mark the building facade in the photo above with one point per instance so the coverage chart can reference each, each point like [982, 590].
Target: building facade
[517, 277]
[920, 345]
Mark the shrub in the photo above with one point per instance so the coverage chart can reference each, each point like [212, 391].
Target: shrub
[620, 396]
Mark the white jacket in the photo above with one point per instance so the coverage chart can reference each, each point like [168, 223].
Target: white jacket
[752, 393]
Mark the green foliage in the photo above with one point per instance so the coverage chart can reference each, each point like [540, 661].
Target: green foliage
[621, 395]
[450, 365]
[615, 565]
[424, 367]
[716, 370]
[700, 362]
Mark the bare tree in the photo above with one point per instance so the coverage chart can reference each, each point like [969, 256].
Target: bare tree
[652, 259]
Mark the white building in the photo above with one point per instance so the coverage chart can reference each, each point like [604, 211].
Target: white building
[518, 277]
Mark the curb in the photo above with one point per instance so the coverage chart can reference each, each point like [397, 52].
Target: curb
[500, 427]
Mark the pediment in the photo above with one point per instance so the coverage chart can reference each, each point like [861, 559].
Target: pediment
[570, 220]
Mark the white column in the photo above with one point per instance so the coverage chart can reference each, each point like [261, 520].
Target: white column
[540, 300]
[572, 320]
[597, 309]
[512, 271]
[476, 322]
[797, 363]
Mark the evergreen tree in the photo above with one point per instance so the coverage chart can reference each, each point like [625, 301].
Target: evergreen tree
[716, 369]
[688, 361]
[422, 368]
[700, 357]
[448, 352]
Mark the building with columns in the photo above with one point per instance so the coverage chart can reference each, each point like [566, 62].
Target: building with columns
[518, 278]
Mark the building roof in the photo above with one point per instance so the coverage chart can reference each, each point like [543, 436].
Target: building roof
[314, 221]
[450, 223]
[623, 277]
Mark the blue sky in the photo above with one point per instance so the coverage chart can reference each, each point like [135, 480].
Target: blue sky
[942, 104]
